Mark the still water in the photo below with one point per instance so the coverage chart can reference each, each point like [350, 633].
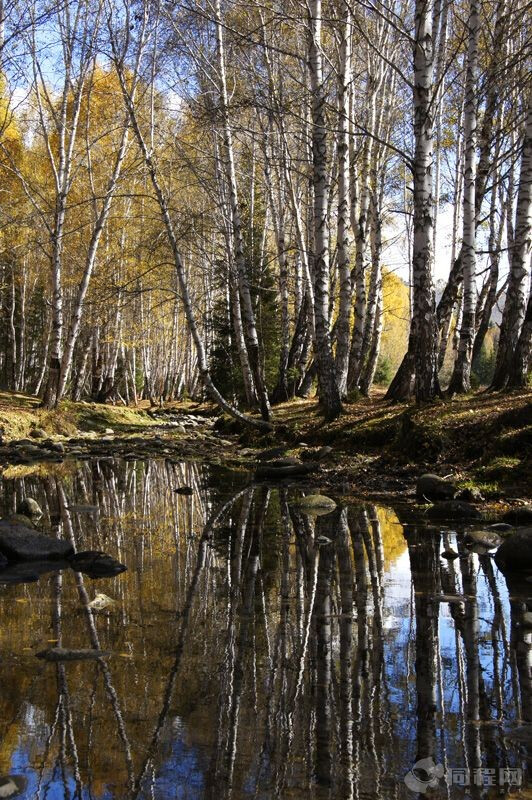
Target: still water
[256, 652]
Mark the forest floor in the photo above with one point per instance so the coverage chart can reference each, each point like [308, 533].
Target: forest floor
[374, 449]
[483, 440]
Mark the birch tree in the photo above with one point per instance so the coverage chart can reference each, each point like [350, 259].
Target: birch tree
[461, 378]
[515, 307]
[327, 385]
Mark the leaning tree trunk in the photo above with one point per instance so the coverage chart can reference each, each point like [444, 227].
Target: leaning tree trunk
[202, 365]
[516, 302]
[461, 377]
[327, 385]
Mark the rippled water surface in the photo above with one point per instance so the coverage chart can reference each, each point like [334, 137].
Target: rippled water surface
[257, 652]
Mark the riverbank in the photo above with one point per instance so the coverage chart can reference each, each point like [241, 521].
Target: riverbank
[374, 449]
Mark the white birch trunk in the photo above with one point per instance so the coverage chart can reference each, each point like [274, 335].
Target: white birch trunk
[515, 306]
[328, 388]
[461, 377]
[344, 208]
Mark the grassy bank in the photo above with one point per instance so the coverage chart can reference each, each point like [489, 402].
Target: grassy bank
[482, 439]
[20, 414]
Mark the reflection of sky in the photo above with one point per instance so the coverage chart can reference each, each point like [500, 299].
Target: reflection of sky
[400, 630]
[180, 774]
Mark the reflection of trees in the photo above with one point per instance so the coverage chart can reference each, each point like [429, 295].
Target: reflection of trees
[424, 563]
[259, 638]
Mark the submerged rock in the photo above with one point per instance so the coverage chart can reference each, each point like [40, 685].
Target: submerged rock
[315, 504]
[501, 527]
[453, 510]
[101, 602]
[284, 468]
[56, 654]
[273, 452]
[12, 785]
[471, 494]
[325, 451]
[19, 543]
[431, 487]
[29, 508]
[521, 515]
[450, 554]
[96, 564]
[515, 553]
[488, 539]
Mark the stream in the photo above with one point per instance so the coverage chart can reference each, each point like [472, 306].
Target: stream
[255, 651]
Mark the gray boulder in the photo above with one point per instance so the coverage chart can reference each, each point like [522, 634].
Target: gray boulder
[431, 487]
[284, 468]
[29, 508]
[515, 553]
[488, 539]
[19, 543]
[315, 504]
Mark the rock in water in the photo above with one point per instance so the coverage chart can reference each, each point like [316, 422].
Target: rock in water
[315, 504]
[453, 510]
[101, 602]
[96, 564]
[431, 487]
[29, 507]
[56, 654]
[38, 433]
[471, 494]
[284, 468]
[515, 553]
[187, 490]
[12, 785]
[19, 543]
[520, 515]
[450, 554]
[488, 539]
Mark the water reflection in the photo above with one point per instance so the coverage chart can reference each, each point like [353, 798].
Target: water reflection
[256, 651]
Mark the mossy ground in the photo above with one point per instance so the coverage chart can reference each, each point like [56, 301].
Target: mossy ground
[482, 439]
[20, 414]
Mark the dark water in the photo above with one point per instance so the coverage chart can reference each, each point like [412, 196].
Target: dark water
[253, 658]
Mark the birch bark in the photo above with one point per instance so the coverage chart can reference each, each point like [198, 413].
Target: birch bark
[515, 306]
[327, 385]
[461, 377]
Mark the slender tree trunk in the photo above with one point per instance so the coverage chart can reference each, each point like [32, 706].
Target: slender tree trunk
[519, 376]
[461, 377]
[515, 306]
[202, 365]
[75, 324]
[243, 278]
[344, 208]
[421, 359]
[327, 386]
